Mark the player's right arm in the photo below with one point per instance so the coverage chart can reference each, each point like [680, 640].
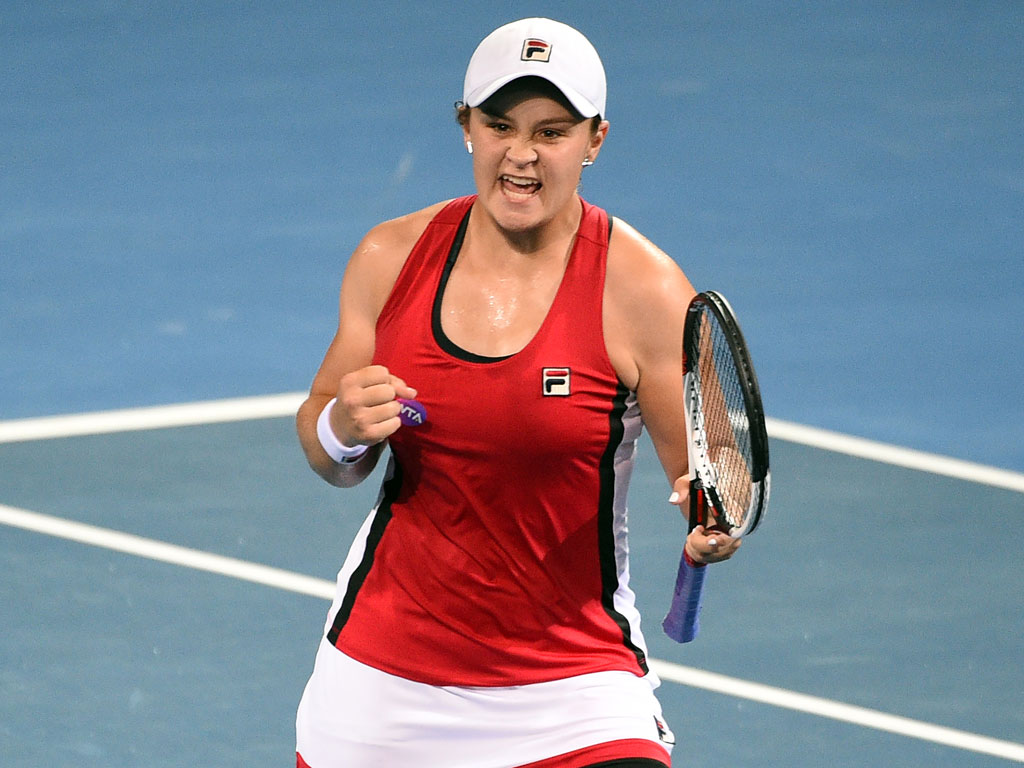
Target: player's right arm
[366, 411]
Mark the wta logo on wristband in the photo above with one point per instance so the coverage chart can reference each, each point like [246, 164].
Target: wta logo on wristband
[556, 382]
[413, 413]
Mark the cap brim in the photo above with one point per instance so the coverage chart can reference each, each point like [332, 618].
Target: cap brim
[579, 102]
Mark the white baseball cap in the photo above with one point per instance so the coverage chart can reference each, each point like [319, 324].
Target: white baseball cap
[540, 48]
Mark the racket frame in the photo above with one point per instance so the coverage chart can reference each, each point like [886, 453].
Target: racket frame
[702, 476]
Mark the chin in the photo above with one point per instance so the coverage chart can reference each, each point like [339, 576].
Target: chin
[521, 215]
[517, 216]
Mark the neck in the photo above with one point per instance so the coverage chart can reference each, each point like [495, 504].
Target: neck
[551, 237]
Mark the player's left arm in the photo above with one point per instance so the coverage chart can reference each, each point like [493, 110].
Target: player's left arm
[646, 298]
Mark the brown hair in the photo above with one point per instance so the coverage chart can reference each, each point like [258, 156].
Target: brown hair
[462, 111]
[462, 117]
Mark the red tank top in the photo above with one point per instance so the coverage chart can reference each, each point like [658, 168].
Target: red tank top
[496, 554]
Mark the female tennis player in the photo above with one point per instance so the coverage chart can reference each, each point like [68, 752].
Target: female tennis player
[504, 347]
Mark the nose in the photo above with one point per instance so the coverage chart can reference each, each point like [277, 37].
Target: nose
[521, 152]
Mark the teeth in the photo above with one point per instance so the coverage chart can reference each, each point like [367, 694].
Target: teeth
[519, 181]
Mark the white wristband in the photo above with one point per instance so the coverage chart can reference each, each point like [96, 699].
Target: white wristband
[337, 450]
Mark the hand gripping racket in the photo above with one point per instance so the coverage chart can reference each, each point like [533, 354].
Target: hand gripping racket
[727, 443]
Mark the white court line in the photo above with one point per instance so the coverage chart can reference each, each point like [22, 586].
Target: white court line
[835, 710]
[164, 552]
[151, 417]
[892, 454]
[286, 404]
[308, 585]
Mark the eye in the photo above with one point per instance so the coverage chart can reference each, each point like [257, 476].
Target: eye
[499, 127]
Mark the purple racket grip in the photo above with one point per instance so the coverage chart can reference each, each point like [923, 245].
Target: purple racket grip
[683, 620]
[413, 414]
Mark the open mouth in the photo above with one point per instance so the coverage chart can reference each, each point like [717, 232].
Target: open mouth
[520, 186]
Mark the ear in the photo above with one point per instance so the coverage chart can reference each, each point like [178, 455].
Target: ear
[465, 134]
[597, 140]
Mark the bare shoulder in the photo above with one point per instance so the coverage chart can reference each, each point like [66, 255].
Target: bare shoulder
[641, 274]
[381, 254]
[645, 300]
[392, 240]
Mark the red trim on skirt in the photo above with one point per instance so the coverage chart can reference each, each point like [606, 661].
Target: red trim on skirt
[612, 750]
[580, 758]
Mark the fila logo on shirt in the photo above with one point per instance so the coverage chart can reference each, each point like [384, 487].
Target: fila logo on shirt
[536, 50]
[556, 382]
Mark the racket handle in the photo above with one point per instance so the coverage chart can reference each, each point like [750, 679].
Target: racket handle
[698, 505]
[683, 620]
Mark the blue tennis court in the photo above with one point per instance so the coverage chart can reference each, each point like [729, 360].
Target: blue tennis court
[181, 186]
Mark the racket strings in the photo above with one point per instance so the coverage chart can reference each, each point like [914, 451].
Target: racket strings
[726, 427]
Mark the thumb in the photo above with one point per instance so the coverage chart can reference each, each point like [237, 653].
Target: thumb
[680, 491]
[401, 388]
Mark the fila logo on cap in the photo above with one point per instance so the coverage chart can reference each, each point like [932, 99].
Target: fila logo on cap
[556, 382]
[535, 50]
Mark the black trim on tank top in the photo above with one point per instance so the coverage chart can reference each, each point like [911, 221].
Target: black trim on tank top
[440, 336]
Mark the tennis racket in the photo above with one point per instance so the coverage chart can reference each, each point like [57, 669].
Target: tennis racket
[727, 443]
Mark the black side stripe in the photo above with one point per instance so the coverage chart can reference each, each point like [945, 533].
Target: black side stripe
[389, 491]
[606, 521]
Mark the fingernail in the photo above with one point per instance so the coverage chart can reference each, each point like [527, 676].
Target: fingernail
[673, 498]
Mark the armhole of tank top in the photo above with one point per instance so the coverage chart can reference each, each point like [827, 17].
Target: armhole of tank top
[435, 320]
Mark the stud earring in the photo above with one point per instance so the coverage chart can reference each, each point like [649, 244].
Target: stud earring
[587, 161]
[469, 147]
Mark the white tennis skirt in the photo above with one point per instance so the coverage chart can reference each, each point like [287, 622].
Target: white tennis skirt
[355, 716]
